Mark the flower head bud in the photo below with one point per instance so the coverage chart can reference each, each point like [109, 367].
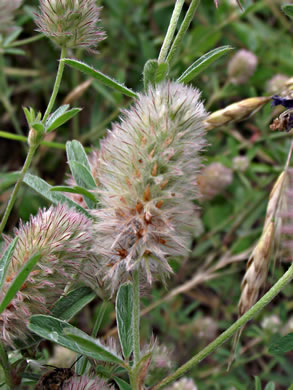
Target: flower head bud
[277, 84]
[70, 23]
[214, 179]
[7, 10]
[60, 235]
[242, 66]
[240, 163]
[85, 383]
[183, 384]
[148, 168]
[161, 364]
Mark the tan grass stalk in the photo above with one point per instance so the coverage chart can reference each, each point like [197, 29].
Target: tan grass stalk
[235, 112]
[77, 92]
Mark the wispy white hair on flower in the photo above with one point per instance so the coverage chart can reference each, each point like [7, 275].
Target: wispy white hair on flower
[71, 23]
[61, 236]
[148, 168]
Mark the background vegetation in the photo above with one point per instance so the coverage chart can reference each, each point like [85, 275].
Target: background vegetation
[232, 222]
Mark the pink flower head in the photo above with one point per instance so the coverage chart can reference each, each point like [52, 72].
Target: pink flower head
[85, 383]
[71, 23]
[61, 236]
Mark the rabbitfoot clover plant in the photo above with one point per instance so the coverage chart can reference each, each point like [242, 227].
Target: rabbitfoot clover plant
[127, 216]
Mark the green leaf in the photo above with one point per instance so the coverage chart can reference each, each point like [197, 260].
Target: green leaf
[122, 384]
[202, 63]
[70, 337]
[81, 66]
[75, 152]
[69, 305]
[270, 386]
[288, 10]
[5, 260]
[8, 179]
[19, 280]
[281, 345]
[154, 72]
[44, 189]
[13, 51]
[124, 304]
[12, 36]
[58, 118]
[91, 347]
[38, 126]
[82, 175]
[75, 190]
[257, 383]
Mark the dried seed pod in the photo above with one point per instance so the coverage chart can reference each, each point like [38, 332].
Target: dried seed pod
[235, 112]
[257, 269]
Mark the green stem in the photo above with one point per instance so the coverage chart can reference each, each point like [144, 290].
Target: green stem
[56, 85]
[133, 381]
[33, 147]
[6, 366]
[265, 300]
[171, 30]
[183, 28]
[136, 317]
[22, 42]
[12, 199]
[22, 138]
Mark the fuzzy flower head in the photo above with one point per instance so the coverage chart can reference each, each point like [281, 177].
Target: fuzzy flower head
[85, 383]
[242, 66]
[214, 179]
[148, 168]
[7, 10]
[183, 384]
[60, 235]
[70, 23]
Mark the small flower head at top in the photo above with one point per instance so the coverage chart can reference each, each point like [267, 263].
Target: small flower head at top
[148, 168]
[61, 236]
[70, 23]
[7, 10]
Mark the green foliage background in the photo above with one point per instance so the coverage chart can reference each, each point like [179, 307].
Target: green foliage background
[232, 221]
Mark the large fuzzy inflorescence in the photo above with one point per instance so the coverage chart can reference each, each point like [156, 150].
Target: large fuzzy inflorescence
[61, 236]
[148, 168]
[70, 23]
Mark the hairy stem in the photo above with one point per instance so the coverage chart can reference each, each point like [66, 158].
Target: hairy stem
[136, 317]
[56, 85]
[33, 147]
[183, 28]
[265, 300]
[12, 199]
[171, 30]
